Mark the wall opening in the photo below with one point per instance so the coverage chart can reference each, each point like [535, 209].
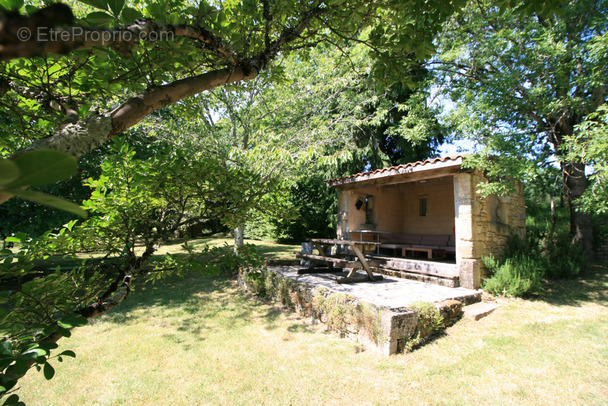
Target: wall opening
[423, 206]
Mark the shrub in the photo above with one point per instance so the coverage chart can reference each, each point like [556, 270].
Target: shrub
[545, 252]
[519, 275]
[563, 258]
[430, 322]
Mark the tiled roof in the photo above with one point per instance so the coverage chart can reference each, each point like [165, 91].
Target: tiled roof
[398, 169]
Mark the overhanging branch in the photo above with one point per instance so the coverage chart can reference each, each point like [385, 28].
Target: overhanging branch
[50, 30]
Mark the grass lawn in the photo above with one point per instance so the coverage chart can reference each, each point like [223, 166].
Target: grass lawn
[270, 250]
[203, 341]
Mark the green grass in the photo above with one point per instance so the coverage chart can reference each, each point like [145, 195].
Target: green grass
[203, 341]
[270, 251]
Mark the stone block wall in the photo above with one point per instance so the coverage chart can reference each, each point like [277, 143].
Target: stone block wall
[483, 225]
[381, 329]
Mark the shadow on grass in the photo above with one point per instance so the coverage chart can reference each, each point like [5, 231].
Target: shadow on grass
[194, 296]
[590, 287]
[198, 305]
[300, 328]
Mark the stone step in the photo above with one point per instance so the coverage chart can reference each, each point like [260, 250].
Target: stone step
[436, 279]
[425, 267]
[479, 310]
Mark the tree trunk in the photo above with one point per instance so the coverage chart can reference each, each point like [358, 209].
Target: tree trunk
[581, 226]
[553, 216]
[239, 237]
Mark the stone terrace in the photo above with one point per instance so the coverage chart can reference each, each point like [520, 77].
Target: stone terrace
[390, 293]
[388, 323]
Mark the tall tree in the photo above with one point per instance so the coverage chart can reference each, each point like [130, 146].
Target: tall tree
[521, 84]
[100, 92]
[334, 118]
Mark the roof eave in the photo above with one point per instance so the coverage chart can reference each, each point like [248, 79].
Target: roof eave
[398, 170]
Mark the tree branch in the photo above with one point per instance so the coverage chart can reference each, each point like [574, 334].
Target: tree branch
[41, 34]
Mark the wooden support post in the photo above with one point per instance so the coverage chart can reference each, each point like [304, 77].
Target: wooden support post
[364, 263]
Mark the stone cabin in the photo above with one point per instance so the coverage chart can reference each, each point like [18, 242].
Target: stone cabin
[433, 200]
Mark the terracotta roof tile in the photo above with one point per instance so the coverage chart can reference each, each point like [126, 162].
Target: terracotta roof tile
[396, 168]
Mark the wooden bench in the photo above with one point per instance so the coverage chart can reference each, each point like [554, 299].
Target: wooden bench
[341, 262]
[434, 245]
[431, 252]
[398, 241]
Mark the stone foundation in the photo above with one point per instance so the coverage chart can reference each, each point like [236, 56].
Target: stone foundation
[387, 331]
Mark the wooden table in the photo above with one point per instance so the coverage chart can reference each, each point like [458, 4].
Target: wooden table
[374, 233]
[360, 249]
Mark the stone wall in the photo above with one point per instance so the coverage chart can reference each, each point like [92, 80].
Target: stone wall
[483, 225]
[384, 330]
[439, 194]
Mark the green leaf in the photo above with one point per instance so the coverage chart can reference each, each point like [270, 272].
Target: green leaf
[68, 353]
[31, 9]
[72, 320]
[100, 4]
[129, 15]
[155, 10]
[49, 200]
[64, 332]
[49, 346]
[116, 6]
[11, 4]
[99, 18]
[12, 399]
[48, 371]
[21, 367]
[43, 166]
[7, 347]
[33, 354]
[9, 171]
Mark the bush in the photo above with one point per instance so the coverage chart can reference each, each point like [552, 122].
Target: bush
[563, 258]
[559, 256]
[430, 323]
[519, 275]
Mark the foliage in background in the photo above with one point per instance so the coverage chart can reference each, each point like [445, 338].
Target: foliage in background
[330, 113]
[589, 145]
[520, 85]
[331, 100]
